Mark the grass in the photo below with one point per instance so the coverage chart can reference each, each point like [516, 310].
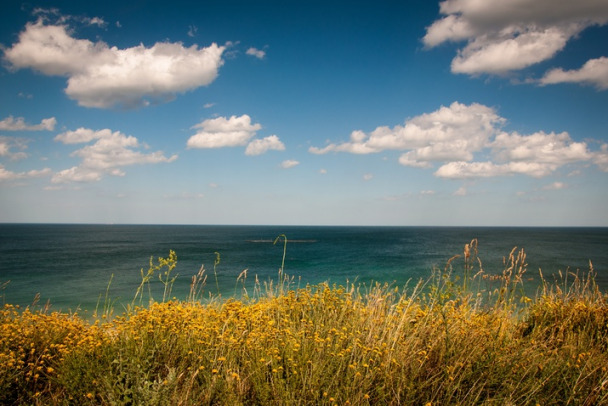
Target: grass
[460, 337]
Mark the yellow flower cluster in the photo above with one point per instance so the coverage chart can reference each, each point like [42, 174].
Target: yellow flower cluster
[33, 344]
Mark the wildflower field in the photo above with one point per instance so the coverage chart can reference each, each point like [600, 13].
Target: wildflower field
[460, 337]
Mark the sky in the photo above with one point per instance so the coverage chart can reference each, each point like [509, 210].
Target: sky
[405, 113]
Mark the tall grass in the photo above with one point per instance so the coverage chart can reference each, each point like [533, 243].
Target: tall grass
[461, 337]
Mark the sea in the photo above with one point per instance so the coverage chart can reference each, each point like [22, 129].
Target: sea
[79, 267]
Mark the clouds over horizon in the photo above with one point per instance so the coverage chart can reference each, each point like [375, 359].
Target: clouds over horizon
[104, 76]
[235, 131]
[514, 34]
[455, 136]
[110, 152]
[6, 175]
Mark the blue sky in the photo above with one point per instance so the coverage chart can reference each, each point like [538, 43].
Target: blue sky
[459, 112]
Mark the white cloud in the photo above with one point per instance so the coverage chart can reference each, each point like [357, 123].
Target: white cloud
[235, 131]
[450, 133]
[18, 124]
[97, 21]
[449, 28]
[258, 53]
[511, 34]
[258, 147]
[594, 72]
[47, 14]
[368, 176]
[456, 135]
[536, 155]
[223, 132]
[468, 170]
[461, 170]
[192, 30]
[555, 186]
[9, 144]
[106, 156]
[4, 146]
[290, 163]
[82, 135]
[77, 174]
[6, 175]
[455, 150]
[600, 158]
[540, 147]
[514, 52]
[103, 76]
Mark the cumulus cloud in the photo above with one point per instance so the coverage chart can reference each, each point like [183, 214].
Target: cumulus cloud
[6, 175]
[540, 147]
[600, 158]
[258, 53]
[235, 131]
[488, 55]
[510, 35]
[18, 124]
[223, 132]
[594, 72]
[82, 135]
[290, 163]
[468, 170]
[104, 76]
[110, 152]
[258, 147]
[8, 145]
[449, 133]
[457, 135]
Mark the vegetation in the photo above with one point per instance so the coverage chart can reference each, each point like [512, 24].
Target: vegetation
[461, 337]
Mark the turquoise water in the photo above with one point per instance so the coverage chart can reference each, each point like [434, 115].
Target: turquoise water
[71, 265]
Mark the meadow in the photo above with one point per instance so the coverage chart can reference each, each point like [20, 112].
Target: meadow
[461, 336]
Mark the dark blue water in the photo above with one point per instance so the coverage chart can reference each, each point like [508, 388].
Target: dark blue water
[71, 265]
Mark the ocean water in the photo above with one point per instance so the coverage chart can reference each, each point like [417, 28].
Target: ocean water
[71, 265]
